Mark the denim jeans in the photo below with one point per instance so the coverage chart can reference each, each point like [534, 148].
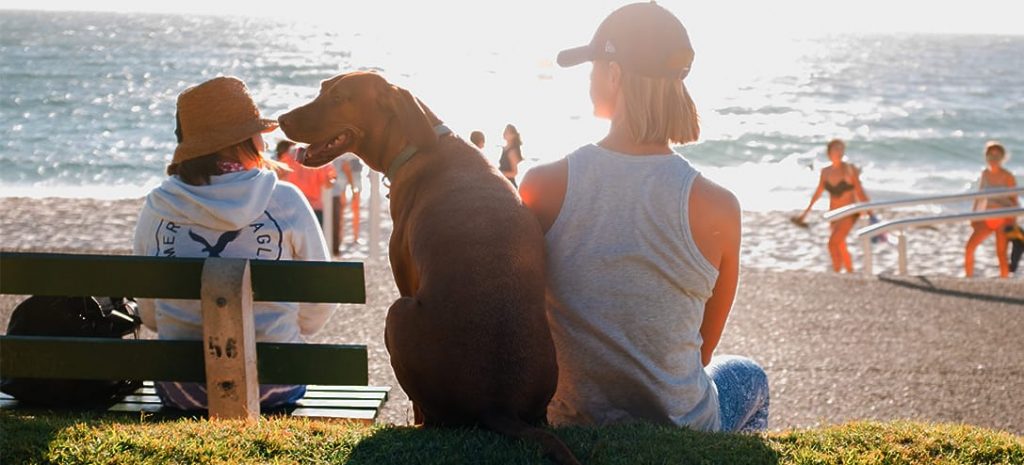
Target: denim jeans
[742, 393]
[192, 396]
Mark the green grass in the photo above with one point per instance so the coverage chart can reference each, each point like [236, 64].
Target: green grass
[94, 439]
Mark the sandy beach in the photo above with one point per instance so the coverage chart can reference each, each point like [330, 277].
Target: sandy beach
[930, 346]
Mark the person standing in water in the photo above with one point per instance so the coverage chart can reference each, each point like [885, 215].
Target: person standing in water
[512, 154]
[994, 176]
[842, 181]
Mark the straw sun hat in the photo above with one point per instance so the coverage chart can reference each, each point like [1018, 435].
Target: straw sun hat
[214, 115]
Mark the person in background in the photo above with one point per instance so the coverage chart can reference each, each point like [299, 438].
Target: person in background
[351, 169]
[842, 181]
[1015, 234]
[284, 146]
[511, 154]
[223, 199]
[994, 176]
[477, 138]
[311, 181]
[643, 251]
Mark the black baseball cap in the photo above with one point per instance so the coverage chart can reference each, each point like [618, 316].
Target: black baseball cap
[643, 38]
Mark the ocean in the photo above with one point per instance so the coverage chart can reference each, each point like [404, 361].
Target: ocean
[87, 99]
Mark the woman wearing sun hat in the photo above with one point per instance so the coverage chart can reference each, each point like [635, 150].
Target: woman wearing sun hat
[222, 199]
[643, 251]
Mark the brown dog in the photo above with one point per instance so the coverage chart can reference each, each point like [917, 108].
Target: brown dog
[468, 339]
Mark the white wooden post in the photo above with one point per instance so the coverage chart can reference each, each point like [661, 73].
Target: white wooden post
[327, 202]
[903, 252]
[865, 243]
[229, 340]
[375, 211]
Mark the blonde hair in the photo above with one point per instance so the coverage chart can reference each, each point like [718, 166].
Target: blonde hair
[659, 109]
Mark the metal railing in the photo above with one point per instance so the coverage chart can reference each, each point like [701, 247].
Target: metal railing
[865, 234]
[855, 208]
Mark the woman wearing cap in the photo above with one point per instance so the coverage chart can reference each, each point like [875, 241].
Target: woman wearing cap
[643, 252]
[994, 176]
[222, 199]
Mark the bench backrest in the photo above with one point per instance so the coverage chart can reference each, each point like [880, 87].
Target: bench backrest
[226, 287]
[174, 278]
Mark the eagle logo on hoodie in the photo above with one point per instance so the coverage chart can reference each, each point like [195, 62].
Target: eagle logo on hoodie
[261, 239]
[222, 241]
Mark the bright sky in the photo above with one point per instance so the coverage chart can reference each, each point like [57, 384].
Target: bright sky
[745, 18]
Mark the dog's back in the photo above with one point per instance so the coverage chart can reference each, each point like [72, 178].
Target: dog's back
[479, 261]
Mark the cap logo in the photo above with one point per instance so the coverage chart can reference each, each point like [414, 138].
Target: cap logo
[608, 47]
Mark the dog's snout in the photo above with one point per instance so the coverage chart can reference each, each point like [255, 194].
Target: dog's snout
[285, 121]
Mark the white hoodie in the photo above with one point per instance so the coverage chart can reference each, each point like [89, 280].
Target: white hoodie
[247, 214]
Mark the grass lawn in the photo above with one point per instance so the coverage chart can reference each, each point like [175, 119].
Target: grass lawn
[43, 438]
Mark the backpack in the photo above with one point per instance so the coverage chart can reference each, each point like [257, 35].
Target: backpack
[112, 317]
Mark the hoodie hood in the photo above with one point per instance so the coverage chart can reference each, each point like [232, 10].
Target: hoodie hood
[228, 203]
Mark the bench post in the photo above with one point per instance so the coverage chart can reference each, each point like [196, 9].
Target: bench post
[229, 340]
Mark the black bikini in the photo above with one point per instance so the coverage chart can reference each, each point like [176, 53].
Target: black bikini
[838, 189]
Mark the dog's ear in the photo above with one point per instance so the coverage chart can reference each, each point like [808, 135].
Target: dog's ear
[416, 119]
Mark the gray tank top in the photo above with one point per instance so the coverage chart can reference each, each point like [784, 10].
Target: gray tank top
[626, 293]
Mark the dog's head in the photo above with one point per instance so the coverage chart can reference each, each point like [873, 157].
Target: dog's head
[360, 113]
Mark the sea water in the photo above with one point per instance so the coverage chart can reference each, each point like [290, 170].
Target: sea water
[87, 99]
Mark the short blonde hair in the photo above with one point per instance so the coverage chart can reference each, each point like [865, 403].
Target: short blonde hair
[659, 110]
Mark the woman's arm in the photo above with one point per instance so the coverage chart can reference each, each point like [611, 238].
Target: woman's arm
[308, 244]
[982, 184]
[817, 195]
[1013, 183]
[718, 238]
[143, 231]
[858, 189]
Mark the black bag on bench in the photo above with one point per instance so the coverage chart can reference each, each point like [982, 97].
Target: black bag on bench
[112, 317]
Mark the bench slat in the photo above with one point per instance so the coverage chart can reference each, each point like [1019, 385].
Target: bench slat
[376, 392]
[355, 414]
[351, 409]
[178, 278]
[101, 358]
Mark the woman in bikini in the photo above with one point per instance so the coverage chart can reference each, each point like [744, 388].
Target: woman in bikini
[993, 177]
[842, 181]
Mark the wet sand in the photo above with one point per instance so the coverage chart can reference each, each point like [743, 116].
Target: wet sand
[836, 347]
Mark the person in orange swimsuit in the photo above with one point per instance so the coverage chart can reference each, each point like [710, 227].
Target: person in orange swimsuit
[993, 177]
[842, 181]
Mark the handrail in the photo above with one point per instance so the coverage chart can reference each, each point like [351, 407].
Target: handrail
[855, 208]
[866, 233]
[902, 223]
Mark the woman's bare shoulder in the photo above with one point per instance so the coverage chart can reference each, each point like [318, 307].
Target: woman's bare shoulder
[543, 190]
[715, 219]
[542, 178]
[710, 194]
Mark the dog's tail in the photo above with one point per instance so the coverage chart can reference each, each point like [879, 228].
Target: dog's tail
[553, 447]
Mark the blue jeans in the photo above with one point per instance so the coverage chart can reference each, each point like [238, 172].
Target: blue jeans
[742, 393]
[192, 396]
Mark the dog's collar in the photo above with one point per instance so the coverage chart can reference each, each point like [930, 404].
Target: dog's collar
[409, 151]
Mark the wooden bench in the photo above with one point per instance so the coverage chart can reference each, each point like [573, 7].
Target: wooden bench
[227, 358]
